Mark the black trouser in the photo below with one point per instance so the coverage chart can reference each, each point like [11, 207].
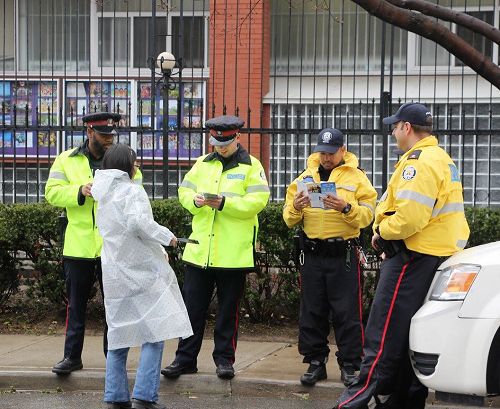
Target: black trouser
[197, 292]
[386, 369]
[331, 284]
[80, 276]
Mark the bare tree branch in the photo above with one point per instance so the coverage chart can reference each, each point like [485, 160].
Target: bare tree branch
[429, 28]
[444, 13]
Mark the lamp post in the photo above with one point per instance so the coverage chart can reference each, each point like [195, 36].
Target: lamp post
[166, 63]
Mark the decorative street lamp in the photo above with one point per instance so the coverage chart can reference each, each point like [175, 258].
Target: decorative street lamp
[166, 63]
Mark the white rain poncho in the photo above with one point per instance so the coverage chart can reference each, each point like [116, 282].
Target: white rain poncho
[141, 295]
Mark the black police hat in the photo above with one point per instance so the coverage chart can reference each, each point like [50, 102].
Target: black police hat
[330, 140]
[103, 122]
[412, 112]
[223, 129]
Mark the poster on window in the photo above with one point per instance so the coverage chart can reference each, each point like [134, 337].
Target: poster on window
[28, 104]
[183, 120]
[83, 97]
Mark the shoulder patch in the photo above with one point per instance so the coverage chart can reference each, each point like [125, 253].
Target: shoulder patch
[455, 175]
[409, 172]
[415, 154]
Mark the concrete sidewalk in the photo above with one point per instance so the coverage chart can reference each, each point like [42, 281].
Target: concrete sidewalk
[262, 368]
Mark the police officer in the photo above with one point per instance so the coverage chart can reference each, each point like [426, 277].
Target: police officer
[224, 191]
[330, 268]
[419, 221]
[68, 186]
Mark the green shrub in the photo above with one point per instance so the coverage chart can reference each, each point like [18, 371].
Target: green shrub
[9, 277]
[272, 292]
[31, 231]
[484, 225]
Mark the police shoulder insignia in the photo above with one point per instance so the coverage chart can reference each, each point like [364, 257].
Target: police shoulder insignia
[415, 154]
[409, 173]
[455, 175]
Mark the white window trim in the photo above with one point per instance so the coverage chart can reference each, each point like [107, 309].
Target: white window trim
[413, 44]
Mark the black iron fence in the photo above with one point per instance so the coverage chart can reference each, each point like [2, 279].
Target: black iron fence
[310, 65]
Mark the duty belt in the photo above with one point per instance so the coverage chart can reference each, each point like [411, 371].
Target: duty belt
[335, 246]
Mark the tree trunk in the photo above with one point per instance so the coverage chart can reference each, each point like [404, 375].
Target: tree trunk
[458, 17]
[434, 31]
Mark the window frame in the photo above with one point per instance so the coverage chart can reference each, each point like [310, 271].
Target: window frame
[130, 70]
[414, 68]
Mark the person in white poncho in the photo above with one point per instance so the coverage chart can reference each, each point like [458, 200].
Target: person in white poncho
[143, 303]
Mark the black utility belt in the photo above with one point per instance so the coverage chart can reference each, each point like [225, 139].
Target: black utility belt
[335, 246]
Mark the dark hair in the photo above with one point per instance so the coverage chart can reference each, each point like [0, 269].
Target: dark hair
[422, 129]
[121, 157]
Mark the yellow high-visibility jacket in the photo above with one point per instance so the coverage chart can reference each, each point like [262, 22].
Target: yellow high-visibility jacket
[70, 171]
[226, 237]
[424, 204]
[352, 185]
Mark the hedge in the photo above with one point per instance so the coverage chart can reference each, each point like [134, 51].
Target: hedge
[31, 232]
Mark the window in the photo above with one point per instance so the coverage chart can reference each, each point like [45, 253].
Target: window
[312, 37]
[7, 35]
[192, 40]
[430, 54]
[145, 5]
[142, 39]
[115, 36]
[113, 45]
[479, 42]
[54, 35]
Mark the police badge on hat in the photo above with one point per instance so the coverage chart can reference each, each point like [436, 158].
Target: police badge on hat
[326, 137]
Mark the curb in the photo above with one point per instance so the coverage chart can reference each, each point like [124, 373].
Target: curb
[200, 383]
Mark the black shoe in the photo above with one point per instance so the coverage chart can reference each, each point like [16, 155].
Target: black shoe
[347, 375]
[316, 372]
[142, 404]
[225, 371]
[67, 365]
[119, 405]
[175, 369]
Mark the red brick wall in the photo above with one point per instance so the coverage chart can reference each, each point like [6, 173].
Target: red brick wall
[239, 59]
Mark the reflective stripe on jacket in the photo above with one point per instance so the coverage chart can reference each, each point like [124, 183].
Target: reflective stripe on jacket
[227, 237]
[70, 171]
[423, 204]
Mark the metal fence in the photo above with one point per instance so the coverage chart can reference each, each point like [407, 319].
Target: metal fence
[288, 67]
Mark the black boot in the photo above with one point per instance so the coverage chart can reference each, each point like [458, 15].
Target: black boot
[119, 405]
[142, 404]
[66, 366]
[316, 372]
[175, 369]
[225, 371]
[347, 374]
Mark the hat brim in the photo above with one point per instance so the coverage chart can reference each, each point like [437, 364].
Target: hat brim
[391, 120]
[327, 148]
[106, 130]
[214, 142]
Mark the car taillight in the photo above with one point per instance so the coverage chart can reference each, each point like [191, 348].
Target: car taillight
[454, 282]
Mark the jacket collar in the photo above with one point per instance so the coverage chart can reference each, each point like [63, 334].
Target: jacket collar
[240, 156]
[350, 161]
[83, 149]
[430, 140]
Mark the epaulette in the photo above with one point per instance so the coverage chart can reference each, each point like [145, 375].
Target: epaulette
[415, 154]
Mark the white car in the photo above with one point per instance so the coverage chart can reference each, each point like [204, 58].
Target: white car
[455, 336]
